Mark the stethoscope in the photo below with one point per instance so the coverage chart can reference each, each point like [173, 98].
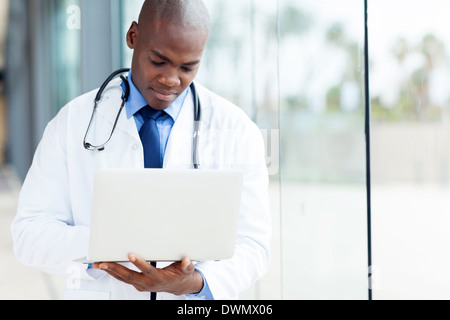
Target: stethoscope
[126, 95]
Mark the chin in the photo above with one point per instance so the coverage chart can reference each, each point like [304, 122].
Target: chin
[159, 105]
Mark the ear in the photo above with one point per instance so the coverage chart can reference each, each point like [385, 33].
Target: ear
[132, 35]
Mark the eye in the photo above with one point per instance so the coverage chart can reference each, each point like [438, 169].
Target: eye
[186, 69]
[158, 64]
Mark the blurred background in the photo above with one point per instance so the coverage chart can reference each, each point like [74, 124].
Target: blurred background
[297, 68]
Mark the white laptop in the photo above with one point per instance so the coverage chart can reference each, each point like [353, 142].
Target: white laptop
[164, 215]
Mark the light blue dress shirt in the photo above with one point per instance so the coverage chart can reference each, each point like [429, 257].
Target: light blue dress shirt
[136, 102]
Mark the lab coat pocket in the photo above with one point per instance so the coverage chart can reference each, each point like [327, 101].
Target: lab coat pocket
[86, 295]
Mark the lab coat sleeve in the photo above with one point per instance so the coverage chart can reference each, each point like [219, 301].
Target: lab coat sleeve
[43, 231]
[228, 278]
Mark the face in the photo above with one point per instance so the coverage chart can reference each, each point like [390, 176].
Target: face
[166, 60]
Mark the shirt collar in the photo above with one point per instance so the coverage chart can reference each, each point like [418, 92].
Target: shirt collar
[136, 101]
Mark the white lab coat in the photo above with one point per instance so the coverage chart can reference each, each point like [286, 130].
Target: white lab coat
[51, 228]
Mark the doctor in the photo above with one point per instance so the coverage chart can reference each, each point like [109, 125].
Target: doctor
[51, 228]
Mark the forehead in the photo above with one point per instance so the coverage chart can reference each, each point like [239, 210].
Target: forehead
[172, 39]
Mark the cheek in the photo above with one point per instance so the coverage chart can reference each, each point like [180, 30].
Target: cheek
[187, 78]
[142, 66]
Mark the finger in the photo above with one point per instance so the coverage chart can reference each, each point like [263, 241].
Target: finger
[187, 266]
[122, 273]
[137, 286]
[116, 276]
[142, 265]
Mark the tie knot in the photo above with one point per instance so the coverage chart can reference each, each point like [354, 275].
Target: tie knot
[150, 113]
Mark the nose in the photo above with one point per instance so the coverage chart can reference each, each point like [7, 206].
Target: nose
[170, 78]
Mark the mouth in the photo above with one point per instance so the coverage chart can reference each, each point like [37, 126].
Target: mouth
[166, 96]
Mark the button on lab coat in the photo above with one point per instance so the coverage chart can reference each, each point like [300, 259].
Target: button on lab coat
[51, 228]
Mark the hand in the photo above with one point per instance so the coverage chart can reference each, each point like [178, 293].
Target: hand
[179, 278]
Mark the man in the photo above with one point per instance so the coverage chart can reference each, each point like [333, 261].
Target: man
[52, 225]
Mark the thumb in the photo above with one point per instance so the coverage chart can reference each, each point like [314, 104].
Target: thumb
[187, 266]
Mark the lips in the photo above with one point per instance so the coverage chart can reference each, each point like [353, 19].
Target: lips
[164, 95]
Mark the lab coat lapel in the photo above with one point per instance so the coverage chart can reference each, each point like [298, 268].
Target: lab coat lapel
[179, 147]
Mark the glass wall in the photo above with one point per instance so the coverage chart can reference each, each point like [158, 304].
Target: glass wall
[297, 69]
[4, 7]
[323, 186]
[66, 47]
[409, 83]
[42, 68]
[241, 64]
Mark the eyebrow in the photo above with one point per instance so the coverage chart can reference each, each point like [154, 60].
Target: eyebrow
[162, 57]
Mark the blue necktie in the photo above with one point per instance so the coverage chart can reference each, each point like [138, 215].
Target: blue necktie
[150, 138]
[151, 142]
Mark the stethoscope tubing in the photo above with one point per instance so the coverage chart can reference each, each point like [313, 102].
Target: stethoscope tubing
[99, 148]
